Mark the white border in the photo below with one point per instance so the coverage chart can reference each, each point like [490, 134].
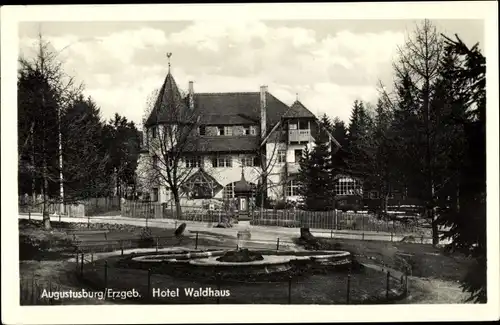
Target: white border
[13, 313]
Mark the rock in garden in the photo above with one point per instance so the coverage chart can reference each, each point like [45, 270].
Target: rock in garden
[305, 233]
[180, 230]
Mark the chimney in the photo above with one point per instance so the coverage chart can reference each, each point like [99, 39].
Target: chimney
[191, 95]
[263, 108]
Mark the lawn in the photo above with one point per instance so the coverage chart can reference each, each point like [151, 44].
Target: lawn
[426, 261]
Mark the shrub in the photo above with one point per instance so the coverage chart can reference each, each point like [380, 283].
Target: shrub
[146, 239]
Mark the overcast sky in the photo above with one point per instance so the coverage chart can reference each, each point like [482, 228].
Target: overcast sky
[328, 63]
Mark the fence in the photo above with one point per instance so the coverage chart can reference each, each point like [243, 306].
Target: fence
[335, 219]
[154, 210]
[88, 207]
[70, 210]
[94, 206]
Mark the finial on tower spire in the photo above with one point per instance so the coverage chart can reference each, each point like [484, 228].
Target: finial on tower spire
[169, 54]
[297, 96]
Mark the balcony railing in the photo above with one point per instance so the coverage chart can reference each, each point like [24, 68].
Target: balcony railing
[303, 135]
[293, 167]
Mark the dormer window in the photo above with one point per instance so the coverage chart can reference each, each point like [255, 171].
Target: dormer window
[201, 130]
[249, 130]
[224, 130]
[153, 132]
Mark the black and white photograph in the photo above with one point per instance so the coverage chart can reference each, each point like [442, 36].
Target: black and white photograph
[159, 156]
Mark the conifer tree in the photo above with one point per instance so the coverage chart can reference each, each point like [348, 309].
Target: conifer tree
[316, 174]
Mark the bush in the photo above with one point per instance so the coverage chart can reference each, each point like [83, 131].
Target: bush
[146, 239]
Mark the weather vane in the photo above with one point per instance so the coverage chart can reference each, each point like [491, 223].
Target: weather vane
[169, 54]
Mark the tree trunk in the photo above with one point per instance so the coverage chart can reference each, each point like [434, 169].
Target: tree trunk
[435, 230]
[177, 200]
[45, 213]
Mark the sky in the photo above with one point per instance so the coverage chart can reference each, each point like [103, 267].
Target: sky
[327, 64]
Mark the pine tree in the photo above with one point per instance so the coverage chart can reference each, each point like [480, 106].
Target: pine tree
[340, 132]
[316, 175]
[358, 138]
[85, 157]
[466, 218]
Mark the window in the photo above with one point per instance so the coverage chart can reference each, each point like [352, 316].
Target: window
[303, 125]
[198, 189]
[224, 130]
[201, 130]
[222, 161]
[292, 188]
[347, 186]
[154, 197]
[155, 162]
[298, 155]
[292, 126]
[153, 132]
[194, 161]
[374, 195]
[249, 161]
[228, 192]
[253, 130]
[281, 156]
[246, 130]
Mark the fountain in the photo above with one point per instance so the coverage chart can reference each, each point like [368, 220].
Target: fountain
[242, 262]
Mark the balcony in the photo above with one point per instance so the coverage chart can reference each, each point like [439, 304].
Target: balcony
[293, 167]
[299, 136]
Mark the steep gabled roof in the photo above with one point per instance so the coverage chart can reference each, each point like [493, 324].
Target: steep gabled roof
[237, 108]
[169, 105]
[298, 110]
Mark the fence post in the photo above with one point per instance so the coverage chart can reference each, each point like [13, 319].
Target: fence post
[218, 286]
[196, 241]
[76, 259]
[363, 225]
[88, 221]
[59, 217]
[33, 289]
[121, 246]
[146, 221]
[391, 236]
[290, 290]
[29, 214]
[331, 232]
[92, 257]
[278, 244]
[387, 286]
[348, 287]
[175, 224]
[105, 275]
[81, 266]
[149, 282]
[406, 281]
[157, 239]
